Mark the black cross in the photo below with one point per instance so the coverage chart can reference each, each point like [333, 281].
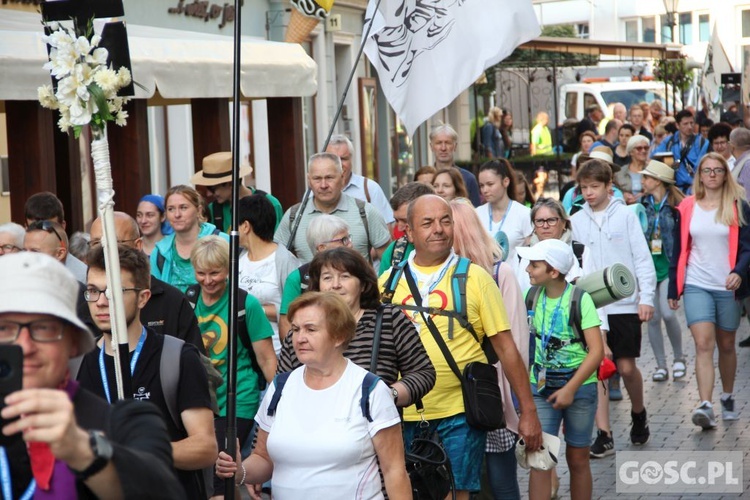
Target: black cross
[114, 35]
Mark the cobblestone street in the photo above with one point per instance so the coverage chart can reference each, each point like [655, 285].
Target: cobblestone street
[669, 405]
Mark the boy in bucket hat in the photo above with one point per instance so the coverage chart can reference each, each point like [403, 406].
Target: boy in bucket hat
[564, 367]
[217, 177]
[49, 447]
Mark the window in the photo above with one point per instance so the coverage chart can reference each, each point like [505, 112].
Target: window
[746, 24]
[571, 104]
[649, 29]
[686, 28]
[589, 100]
[666, 29]
[582, 31]
[631, 30]
[704, 28]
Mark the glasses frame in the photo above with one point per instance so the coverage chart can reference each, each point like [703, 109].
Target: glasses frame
[716, 171]
[10, 248]
[87, 293]
[344, 240]
[548, 222]
[29, 326]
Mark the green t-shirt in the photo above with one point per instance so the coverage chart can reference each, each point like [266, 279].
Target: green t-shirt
[226, 211]
[386, 261]
[292, 290]
[569, 356]
[212, 321]
[661, 263]
[182, 274]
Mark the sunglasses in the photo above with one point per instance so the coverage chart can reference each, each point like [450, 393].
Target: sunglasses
[47, 226]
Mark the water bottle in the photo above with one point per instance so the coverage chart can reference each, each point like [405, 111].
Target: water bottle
[532, 337]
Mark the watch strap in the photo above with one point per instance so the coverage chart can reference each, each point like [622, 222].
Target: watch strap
[102, 450]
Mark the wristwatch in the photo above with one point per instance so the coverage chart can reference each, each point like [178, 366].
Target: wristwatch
[102, 449]
[394, 393]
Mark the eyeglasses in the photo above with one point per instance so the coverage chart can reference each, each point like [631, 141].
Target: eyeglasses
[344, 241]
[641, 148]
[92, 294]
[43, 330]
[212, 189]
[97, 242]
[715, 171]
[45, 225]
[551, 222]
[9, 248]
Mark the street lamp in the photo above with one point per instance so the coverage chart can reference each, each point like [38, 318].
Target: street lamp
[671, 7]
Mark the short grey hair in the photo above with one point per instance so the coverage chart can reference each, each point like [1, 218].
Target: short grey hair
[444, 129]
[342, 139]
[325, 156]
[322, 229]
[739, 137]
[15, 230]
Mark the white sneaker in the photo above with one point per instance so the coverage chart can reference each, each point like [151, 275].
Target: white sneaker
[703, 417]
[727, 409]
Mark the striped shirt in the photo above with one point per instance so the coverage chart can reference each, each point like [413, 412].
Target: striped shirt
[346, 209]
[401, 351]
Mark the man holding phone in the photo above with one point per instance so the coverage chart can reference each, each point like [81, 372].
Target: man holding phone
[58, 439]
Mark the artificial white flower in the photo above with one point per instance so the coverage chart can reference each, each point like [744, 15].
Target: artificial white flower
[47, 97]
[72, 88]
[98, 57]
[58, 38]
[107, 80]
[64, 122]
[115, 104]
[80, 112]
[61, 63]
[95, 40]
[121, 119]
[123, 75]
[82, 46]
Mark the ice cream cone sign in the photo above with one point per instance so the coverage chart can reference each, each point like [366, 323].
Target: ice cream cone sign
[306, 14]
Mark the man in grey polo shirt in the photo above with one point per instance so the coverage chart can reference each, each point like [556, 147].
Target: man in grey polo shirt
[326, 181]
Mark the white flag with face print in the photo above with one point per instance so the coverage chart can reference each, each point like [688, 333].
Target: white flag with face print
[427, 52]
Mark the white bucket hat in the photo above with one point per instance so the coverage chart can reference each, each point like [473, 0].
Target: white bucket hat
[659, 170]
[36, 283]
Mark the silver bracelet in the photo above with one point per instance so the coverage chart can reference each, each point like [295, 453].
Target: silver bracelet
[244, 475]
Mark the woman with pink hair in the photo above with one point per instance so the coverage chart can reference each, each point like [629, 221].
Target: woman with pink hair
[472, 241]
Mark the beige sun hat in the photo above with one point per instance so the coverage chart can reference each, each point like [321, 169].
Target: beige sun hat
[659, 170]
[38, 284]
[217, 169]
[605, 154]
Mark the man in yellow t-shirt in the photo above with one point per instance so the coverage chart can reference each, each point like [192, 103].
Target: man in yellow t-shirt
[430, 229]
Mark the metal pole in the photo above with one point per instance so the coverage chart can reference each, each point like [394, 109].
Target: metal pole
[234, 253]
[558, 129]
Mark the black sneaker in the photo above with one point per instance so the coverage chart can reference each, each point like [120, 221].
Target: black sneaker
[745, 342]
[603, 445]
[639, 432]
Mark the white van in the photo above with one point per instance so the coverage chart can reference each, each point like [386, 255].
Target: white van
[574, 98]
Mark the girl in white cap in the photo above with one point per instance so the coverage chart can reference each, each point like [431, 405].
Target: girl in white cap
[660, 200]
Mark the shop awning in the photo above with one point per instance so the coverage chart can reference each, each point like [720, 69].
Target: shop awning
[173, 63]
[622, 50]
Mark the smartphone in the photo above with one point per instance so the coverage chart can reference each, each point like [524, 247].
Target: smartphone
[11, 380]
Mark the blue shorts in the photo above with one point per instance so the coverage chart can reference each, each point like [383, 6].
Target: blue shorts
[578, 417]
[712, 306]
[463, 444]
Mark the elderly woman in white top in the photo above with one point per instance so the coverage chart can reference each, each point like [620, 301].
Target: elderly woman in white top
[628, 178]
[317, 439]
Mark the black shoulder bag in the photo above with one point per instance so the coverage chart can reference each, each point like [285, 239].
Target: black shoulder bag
[483, 402]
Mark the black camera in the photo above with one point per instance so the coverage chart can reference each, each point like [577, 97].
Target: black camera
[11, 380]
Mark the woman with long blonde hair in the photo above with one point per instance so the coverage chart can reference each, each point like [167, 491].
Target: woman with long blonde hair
[472, 241]
[712, 224]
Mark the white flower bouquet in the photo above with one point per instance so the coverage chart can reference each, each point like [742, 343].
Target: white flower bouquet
[87, 88]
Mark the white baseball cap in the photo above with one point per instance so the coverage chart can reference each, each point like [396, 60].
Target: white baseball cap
[556, 253]
[36, 283]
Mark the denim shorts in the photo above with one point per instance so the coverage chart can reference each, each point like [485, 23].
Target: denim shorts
[578, 417]
[712, 306]
[463, 444]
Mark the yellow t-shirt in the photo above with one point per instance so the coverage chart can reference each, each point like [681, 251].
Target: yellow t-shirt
[486, 313]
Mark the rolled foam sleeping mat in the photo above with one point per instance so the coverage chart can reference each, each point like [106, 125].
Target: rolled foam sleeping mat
[640, 212]
[608, 285]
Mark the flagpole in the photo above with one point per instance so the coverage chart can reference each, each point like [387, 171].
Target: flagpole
[234, 252]
[306, 197]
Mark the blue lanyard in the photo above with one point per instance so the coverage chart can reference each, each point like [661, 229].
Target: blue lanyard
[502, 221]
[657, 208]
[6, 479]
[546, 336]
[133, 362]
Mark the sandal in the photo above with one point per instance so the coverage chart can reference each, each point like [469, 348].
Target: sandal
[660, 375]
[678, 369]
